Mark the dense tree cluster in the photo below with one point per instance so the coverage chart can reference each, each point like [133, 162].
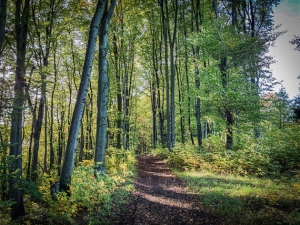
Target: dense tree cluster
[80, 76]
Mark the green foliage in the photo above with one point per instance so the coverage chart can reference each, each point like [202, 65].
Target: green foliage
[214, 157]
[284, 148]
[276, 152]
[120, 161]
[5, 212]
[255, 183]
[92, 199]
[187, 158]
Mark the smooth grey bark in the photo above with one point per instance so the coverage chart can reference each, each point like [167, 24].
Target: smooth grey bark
[46, 140]
[21, 23]
[61, 139]
[119, 95]
[165, 39]
[155, 83]
[172, 41]
[188, 86]
[196, 53]
[68, 163]
[154, 99]
[169, 42]
[3, 4]
[103, 88]
[51, 132]
[154, 110]
[180, 102]
[125, 96]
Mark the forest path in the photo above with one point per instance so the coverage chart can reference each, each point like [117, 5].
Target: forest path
[160, 198]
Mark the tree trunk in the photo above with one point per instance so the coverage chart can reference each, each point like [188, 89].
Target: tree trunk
[61, 140]
[154, 110]
[165, 37]
[180, 100]
[52, 154]
[103, 88]
[119, 95]
[21, 23]
[3, 4]
[125, 107]
[196, 53]
[188, 88]
[46, 140]
[68, 164]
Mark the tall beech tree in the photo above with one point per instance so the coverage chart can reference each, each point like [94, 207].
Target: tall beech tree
[169, 44]
[103, 88]
[198, 17]
[68, 163]
[21, 31]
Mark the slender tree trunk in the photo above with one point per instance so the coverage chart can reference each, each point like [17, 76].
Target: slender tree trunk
[165, 38]
[198, 103]
[227, 113]
[103, 88]
[61, 140]
[46, 139]
[3, 4]
[172, 41]
[33, 110]
[154, 90]
[36, 135]
[154, 109]
[21, 23]
[125, 107]
[51, 133]
[196, 53]
[128, 114]
[172, 143]
[119, 95]
[180, 100]
[188, 88]
[68, 164]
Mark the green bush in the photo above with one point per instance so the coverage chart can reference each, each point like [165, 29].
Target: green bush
[284, 148]
[91, 198]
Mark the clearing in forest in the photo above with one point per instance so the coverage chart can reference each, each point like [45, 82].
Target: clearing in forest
[160, 197]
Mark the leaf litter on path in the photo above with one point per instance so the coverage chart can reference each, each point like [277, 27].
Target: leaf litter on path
[160, 197]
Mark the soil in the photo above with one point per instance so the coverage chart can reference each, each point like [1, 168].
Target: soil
[160, 197]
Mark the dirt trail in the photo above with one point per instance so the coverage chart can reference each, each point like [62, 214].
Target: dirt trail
[160, 198]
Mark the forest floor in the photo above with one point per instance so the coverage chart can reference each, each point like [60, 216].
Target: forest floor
[160, 197]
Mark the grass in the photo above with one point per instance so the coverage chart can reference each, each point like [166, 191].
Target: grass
[246, 200]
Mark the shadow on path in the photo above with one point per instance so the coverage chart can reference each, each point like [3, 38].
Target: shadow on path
[160, 198]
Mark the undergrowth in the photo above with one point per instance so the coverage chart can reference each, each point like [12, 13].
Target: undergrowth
[258, 182]
[92, 200]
